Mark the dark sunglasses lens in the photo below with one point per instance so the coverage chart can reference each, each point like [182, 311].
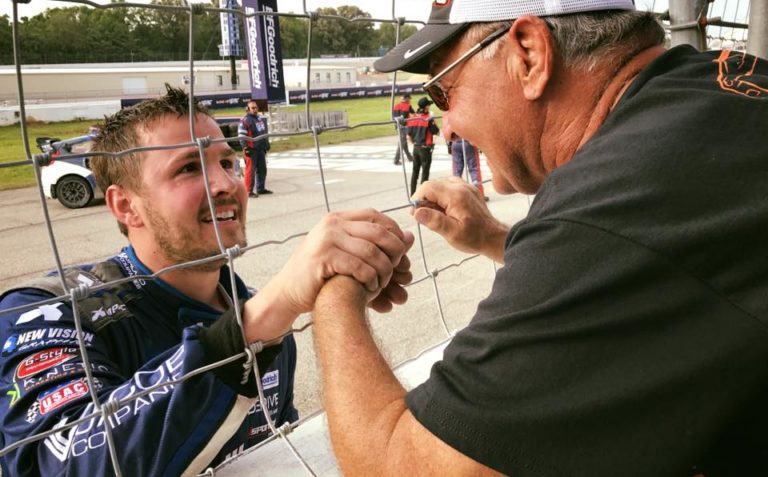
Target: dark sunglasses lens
[435, 91]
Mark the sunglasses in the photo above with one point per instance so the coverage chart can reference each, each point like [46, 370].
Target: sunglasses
[435, 90]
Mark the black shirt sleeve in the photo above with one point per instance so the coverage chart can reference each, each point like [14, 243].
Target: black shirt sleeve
[592, 356]
[224, 339]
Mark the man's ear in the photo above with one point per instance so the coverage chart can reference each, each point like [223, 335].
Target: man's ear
[533, 55]
[124, 206]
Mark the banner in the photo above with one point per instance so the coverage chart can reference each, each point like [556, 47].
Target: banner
[329, 94]
[230, 33]
[265, 57]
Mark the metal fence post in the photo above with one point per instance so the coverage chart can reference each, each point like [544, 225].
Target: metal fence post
[757, 43]
[687, 19]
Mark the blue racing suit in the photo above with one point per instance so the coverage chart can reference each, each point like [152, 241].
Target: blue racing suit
[153, 334]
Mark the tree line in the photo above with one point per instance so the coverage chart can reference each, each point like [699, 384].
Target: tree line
[80, 34]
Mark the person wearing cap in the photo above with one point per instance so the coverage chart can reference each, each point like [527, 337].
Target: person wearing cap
[403, 109]
[422, 130]
[625, 333]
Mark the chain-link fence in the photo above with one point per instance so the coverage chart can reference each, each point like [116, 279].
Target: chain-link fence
[731, 34]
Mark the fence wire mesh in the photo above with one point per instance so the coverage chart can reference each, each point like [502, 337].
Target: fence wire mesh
[730, 33]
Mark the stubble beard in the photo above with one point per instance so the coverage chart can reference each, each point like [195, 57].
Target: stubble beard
[183, 244]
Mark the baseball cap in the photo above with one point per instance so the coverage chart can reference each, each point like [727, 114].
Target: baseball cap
[424, 102]
[407, 96]
[450, 17]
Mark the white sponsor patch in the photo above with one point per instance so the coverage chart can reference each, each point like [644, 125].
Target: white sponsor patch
[48, 312]
[270, 380]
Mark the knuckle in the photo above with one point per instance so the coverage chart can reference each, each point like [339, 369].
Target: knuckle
[370, 250]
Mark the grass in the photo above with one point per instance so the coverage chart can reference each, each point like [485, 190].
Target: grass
[12, 148]
[358, 111]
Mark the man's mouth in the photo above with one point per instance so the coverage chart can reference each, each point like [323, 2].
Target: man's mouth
[226, 216]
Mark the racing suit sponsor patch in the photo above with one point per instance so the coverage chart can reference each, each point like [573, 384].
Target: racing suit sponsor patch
[62, 395]
[43, 337]
[44, 360]
[270, 380]
[48, 312]
[59, 373]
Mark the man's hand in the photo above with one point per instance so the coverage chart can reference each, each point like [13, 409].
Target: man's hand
[455, 210]
[363, 244]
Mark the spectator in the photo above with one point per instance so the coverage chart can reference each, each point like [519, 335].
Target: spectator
[403, 110]
[422, 130]
[464, 153]
[254, 150]
[625, 332]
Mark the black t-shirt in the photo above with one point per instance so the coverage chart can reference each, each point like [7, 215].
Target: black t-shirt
[626, 333]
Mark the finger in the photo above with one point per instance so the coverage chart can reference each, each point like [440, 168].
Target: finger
[402, 278]
[402, 268]
[404, 265]
[396, 294]
[435, 221]
[391, 295]
[373, 216]
[343, 263]
[386, 241]
[369, 253]
[381, 304]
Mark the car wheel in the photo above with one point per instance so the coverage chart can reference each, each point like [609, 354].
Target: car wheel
[74, 192]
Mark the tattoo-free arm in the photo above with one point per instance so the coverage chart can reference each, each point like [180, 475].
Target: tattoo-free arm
[372, 430]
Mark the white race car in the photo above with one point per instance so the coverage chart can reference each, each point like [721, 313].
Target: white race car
[68, 179]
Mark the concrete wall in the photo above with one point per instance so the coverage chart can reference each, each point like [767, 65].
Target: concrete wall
[72, 82]
[60, 112]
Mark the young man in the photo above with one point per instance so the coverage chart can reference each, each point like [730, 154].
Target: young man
[147, 332]
[403, 110]
[626, 330]
[422, 131]
[254, 150]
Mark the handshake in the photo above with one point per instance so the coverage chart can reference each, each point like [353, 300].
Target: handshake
[363, 253]
[365, 245]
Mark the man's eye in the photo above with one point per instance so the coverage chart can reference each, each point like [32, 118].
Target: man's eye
[189, 167]
[227, 163]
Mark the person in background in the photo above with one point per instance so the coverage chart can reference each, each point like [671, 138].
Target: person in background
[422, 131]
[463, 153]
[403, 110]
[254, 150]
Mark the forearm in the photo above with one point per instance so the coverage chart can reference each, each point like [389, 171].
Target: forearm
[495, 239]
[267, 315]
[360, 391]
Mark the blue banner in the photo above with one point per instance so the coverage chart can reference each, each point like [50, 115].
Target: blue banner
[239, 100]
[299, 95]
[265, 59]
[230, 33]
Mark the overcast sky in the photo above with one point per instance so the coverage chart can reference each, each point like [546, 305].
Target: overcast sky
[411, 9]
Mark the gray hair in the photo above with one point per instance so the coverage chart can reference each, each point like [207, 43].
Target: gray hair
[583, 40]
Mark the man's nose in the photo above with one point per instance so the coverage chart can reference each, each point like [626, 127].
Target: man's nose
[221, 180]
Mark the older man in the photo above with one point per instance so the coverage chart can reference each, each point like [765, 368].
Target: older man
[626, 331]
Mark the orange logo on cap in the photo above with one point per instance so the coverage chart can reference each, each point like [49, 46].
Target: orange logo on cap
[441, 3]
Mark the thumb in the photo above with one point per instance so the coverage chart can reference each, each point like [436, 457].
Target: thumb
[434, 220]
